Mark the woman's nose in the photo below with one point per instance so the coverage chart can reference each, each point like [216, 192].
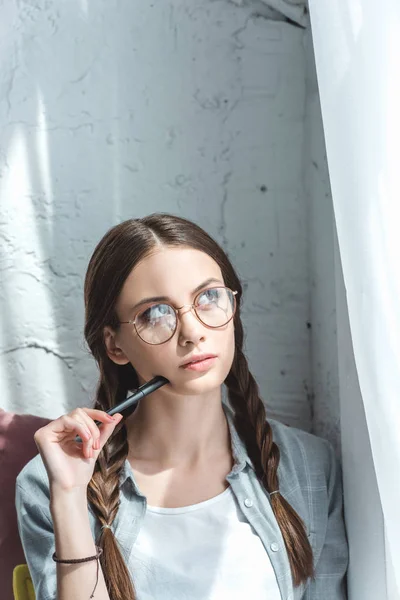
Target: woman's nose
[190, 329]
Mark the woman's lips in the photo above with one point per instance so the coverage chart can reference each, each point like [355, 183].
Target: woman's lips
[201, 365]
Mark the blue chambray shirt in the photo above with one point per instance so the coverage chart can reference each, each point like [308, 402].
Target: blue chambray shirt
[309, 478]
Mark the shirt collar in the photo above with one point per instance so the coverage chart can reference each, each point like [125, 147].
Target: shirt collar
[239, 451]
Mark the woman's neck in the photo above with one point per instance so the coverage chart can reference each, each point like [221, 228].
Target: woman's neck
[178, 432]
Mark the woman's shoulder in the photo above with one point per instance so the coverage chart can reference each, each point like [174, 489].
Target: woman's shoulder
[299, 448]
[33, 480]
[310, 479]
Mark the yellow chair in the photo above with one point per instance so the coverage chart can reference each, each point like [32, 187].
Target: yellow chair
[22, 583]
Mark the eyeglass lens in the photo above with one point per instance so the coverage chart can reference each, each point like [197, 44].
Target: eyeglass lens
[157, 323]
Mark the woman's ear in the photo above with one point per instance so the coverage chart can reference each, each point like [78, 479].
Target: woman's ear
[114, 352]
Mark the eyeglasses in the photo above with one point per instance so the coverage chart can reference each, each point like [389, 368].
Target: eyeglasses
[157, 323]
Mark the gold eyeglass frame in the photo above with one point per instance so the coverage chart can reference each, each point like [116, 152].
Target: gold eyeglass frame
[176, 309]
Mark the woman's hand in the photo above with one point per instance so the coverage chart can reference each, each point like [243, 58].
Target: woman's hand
[70, 464]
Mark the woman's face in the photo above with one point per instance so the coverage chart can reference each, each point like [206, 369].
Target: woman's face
[173, 273]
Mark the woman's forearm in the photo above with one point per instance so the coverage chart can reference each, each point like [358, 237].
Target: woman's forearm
[74, 539]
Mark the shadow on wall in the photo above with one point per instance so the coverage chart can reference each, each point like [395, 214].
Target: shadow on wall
[50, 196]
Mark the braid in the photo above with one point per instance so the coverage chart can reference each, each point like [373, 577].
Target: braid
[255, 431]
[103, 491]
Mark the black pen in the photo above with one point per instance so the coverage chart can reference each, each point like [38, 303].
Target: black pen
[141, 392]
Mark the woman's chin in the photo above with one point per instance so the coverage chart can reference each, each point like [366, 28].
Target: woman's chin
[198, 383]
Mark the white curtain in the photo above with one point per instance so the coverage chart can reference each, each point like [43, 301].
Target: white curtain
[357, 53]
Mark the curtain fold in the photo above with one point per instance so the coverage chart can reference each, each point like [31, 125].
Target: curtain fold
[295, 10]
[357, 54]
[292, 9]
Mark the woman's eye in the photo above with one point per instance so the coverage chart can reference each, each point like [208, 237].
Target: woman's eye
[209, 296]
[155, 312]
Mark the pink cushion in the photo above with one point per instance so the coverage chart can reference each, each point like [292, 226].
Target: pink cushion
[17, 447]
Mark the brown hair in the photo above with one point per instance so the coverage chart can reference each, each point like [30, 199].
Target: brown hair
[113, 259]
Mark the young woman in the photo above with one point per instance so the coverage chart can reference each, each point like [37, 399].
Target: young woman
[191, 496]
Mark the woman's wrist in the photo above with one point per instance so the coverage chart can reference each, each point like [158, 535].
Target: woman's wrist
[64, 503]
[70, 515]
[59, 493]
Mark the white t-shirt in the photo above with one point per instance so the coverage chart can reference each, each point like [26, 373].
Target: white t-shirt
[207, 551]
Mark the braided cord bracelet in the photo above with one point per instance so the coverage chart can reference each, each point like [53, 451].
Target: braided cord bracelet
[73, 561]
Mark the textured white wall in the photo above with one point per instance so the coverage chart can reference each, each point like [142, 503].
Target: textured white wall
[114, 110]
[324, 352]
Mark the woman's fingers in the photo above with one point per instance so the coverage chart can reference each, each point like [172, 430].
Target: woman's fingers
[88, 415]
[65, 425]
[107, 430]
[81, 422]
[68, 424]
[60, 453]
[81, 415]
[87, 442]
[97, 415]
[99, 434]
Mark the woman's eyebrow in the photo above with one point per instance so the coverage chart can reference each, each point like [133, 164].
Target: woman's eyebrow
[165, 298]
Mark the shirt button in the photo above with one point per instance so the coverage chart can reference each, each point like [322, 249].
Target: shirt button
[248, 502]
[274, 547]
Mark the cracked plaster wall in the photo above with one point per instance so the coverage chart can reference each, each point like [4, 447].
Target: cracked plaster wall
[120, 110]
